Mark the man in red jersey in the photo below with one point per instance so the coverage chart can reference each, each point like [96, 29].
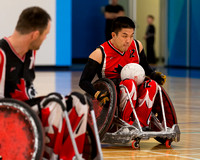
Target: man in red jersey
[108, 60]
[17, 73]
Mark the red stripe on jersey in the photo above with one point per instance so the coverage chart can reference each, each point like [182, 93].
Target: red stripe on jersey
[2, 72]
[2, 61]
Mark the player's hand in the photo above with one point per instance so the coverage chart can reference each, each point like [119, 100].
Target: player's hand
[102, 97]
[159, 77]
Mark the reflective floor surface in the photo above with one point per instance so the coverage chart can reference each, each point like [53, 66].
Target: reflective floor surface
[183, 87]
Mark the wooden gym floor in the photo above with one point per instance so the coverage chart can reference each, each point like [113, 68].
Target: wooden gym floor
[183, 87]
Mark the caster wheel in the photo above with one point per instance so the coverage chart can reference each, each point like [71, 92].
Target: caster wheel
[136, 144]
[168, 143]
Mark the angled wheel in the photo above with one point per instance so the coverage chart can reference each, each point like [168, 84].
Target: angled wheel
[105, 114]
[90, 147]
[21, 135]
[170, 113]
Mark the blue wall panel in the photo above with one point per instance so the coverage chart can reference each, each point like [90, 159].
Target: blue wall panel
[177, 32]
[63, 33]
[88, 25]
[194, 33]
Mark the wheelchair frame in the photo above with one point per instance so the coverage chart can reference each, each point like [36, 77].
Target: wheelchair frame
[127, 133]
[38, 133]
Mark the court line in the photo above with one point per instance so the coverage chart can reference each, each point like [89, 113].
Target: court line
[158, 154]
[174, 155]
[191, 154]
[118, 157]
[188, 123]
[178, 149]
[196, 129]
[190, 132]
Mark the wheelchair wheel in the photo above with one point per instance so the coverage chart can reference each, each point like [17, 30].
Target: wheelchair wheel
[105, 114]
[90, 146]
[21, 135]
[170, 113]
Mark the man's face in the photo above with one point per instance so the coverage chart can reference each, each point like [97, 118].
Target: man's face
[35, 45]
[123, 39]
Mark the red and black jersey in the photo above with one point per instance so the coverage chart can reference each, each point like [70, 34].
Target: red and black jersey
[112, 63]
[16, 74]
[114, 60]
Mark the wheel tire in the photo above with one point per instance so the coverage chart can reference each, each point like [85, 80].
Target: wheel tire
[168, 143]
[22, 135]
[135, 144]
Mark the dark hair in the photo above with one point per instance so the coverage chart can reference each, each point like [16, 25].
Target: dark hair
[122, 22]
[31, 19]
[150, 16]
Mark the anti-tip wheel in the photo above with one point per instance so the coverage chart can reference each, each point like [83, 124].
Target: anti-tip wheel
[136, 144]
[168, 143]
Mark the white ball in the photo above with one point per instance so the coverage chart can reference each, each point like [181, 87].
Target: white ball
[133, 71]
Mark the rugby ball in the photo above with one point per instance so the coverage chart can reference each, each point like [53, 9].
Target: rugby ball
[133, 71]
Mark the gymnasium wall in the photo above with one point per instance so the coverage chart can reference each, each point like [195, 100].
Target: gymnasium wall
[78, 28]
[177, 33]
[88, 27]
[56, 49]
[144, 8]
[183, 33]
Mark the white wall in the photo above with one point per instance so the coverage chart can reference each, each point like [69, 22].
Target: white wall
[145, 7]
[9, 13]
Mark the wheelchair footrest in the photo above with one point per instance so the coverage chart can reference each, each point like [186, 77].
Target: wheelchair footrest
[128, 133]
[123, 135]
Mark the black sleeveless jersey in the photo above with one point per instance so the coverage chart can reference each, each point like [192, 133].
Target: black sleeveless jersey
[16, 74]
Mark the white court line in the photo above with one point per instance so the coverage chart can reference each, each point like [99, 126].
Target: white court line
[118, 157]
[150, 156]
[178, 149]
[175, 155]
[192, 154]
[195, 129]
[190, 131]
[158, 153]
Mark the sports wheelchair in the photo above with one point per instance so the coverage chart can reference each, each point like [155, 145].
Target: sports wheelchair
[22, 135]
[163, 125]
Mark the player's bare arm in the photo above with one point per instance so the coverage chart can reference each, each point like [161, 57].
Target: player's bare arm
[140, 46]
[96, 55]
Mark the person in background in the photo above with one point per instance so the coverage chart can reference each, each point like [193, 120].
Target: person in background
[111, 12]
[150, 39]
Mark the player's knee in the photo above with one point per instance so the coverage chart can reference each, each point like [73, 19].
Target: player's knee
[130, 84]
[153, 86]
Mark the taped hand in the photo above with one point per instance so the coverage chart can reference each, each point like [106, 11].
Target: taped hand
[159, 77]
[102, 97]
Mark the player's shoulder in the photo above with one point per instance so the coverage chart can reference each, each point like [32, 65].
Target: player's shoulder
[140, 45]
[96, 55]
